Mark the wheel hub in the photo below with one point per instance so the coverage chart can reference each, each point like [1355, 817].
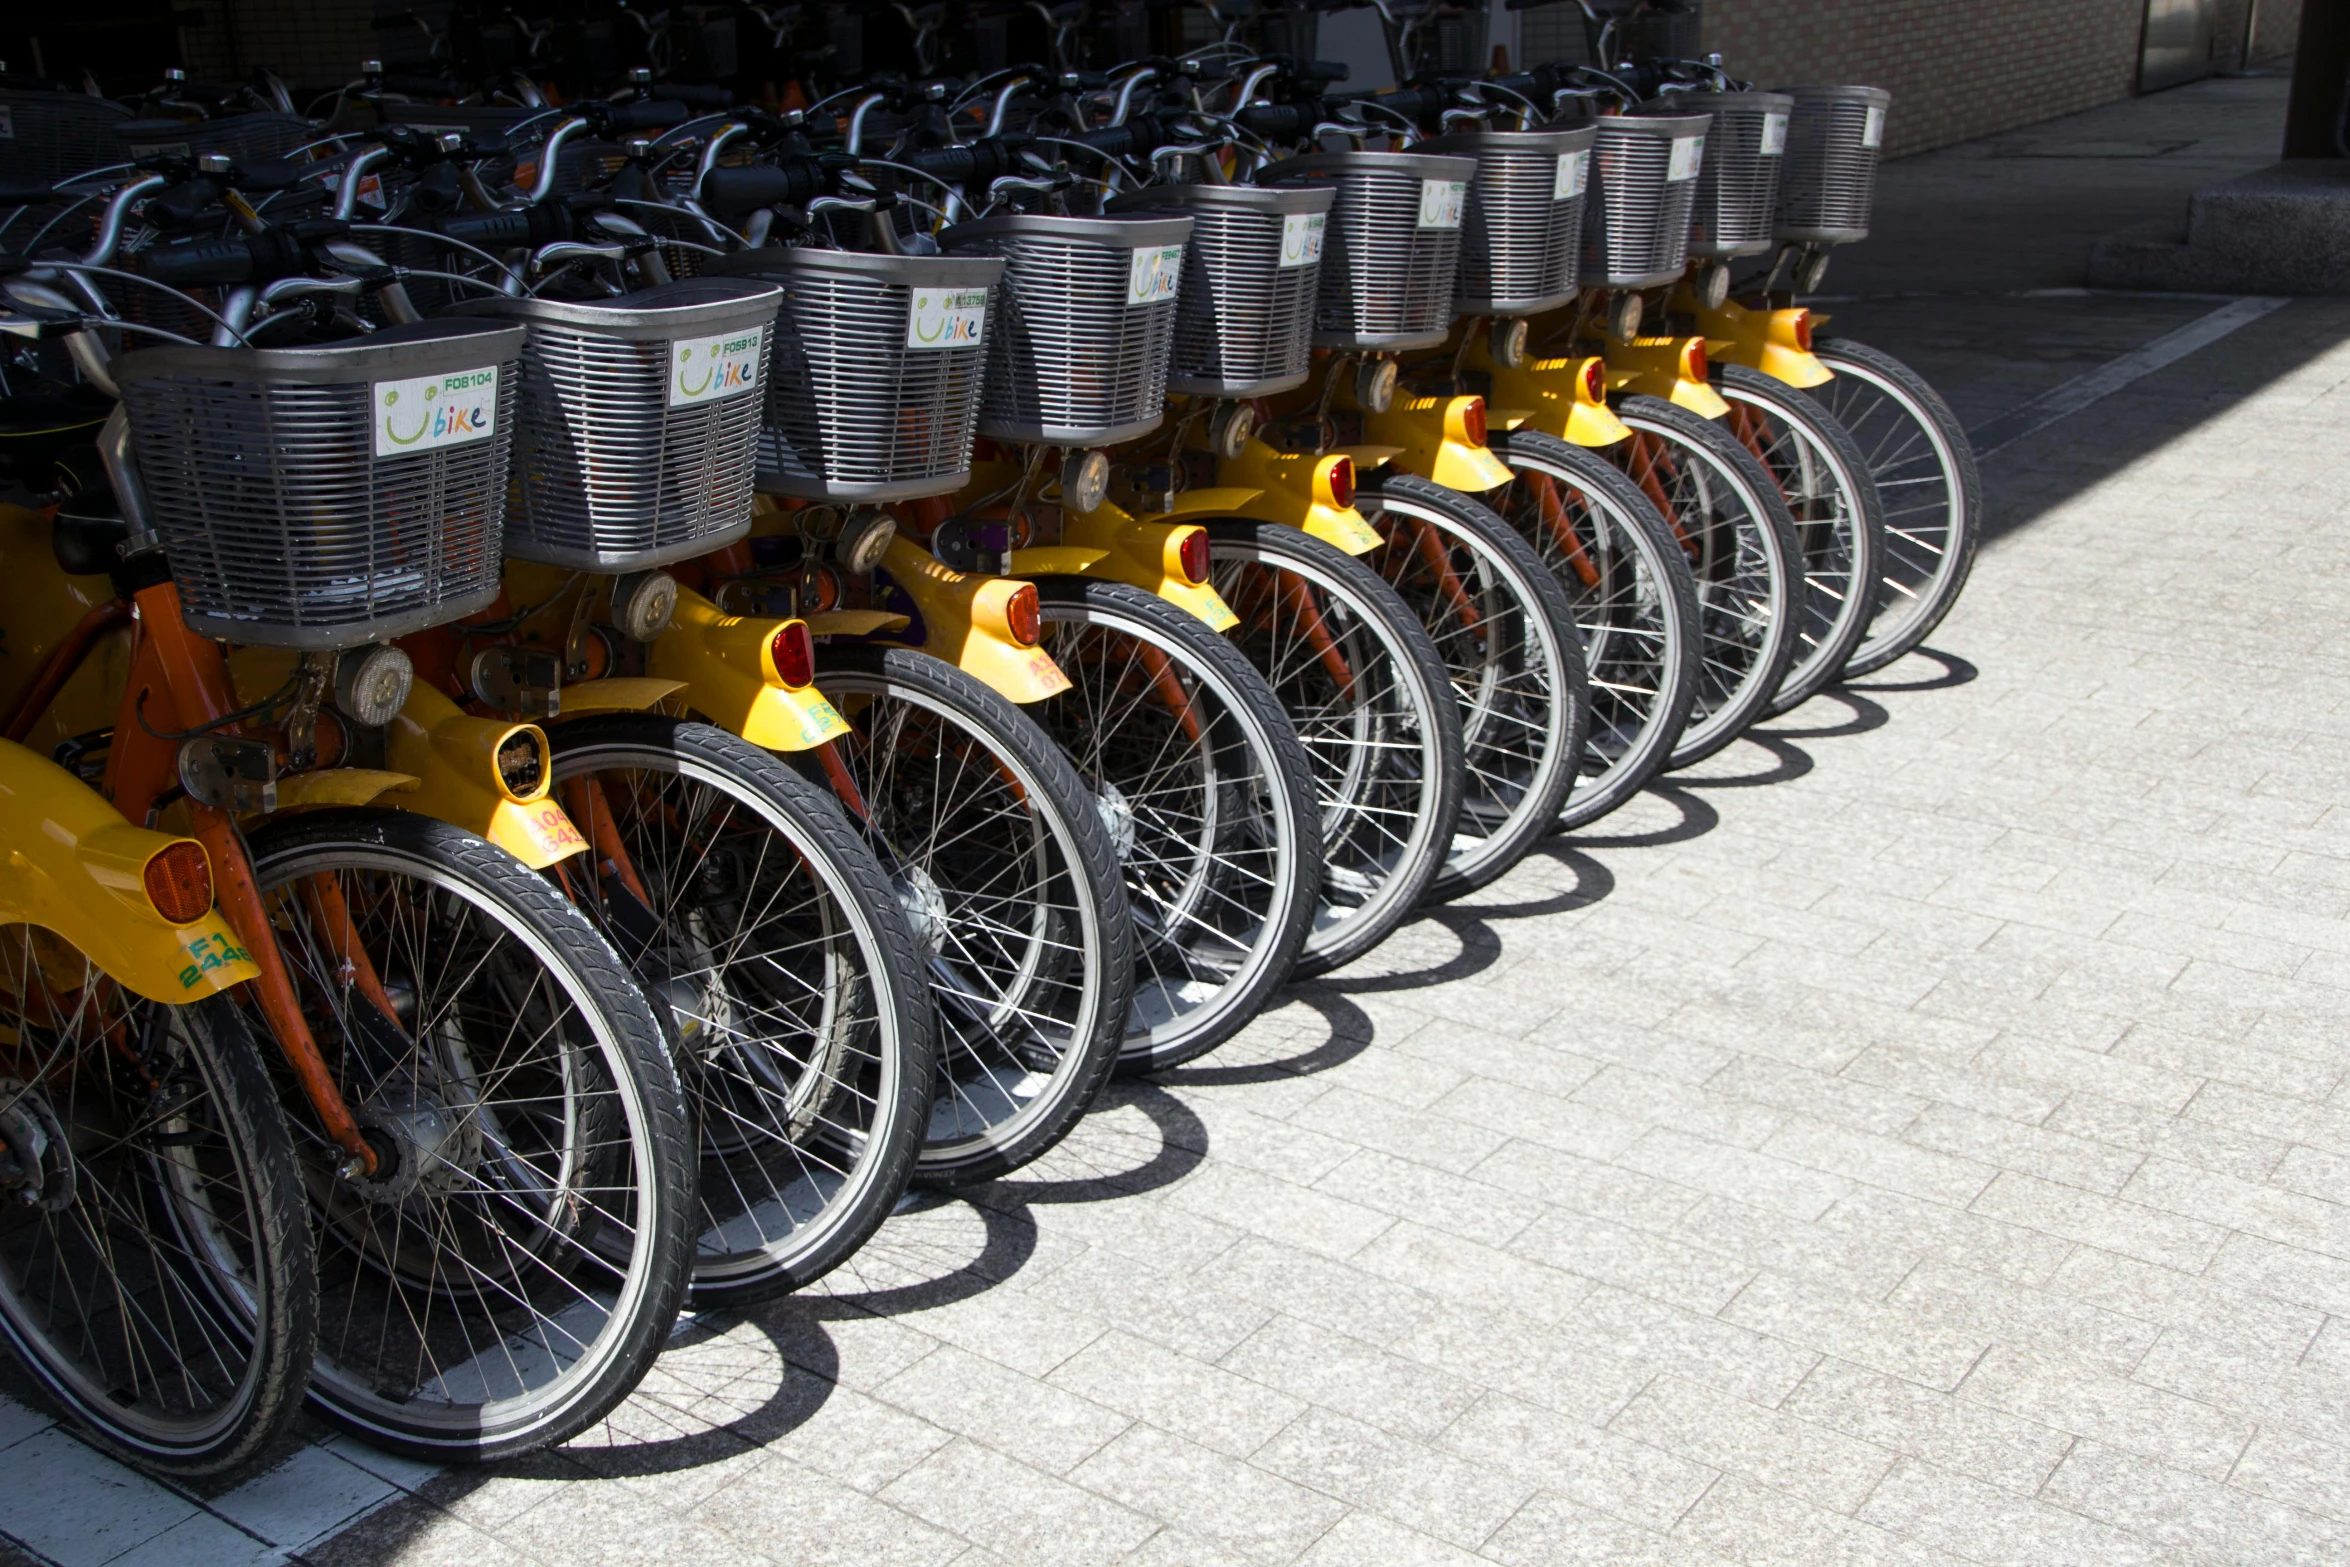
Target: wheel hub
[925, 906]
[36, 1164]
[432, 1145]
[1117, 814]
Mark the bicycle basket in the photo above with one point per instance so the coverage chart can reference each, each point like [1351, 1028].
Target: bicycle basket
[325, 497]
[1246, 307]
[1521, 234]
[637, 422]
[241, 136]
[1644, 182]
[1829, 181]
[1738, 184]
[53, 136]
[1394, 244]
[1080, 354]
[877, 374]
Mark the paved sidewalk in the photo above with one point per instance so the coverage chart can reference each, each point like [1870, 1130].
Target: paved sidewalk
[1921, 1137]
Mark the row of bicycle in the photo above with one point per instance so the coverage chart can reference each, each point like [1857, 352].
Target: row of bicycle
[592, 691]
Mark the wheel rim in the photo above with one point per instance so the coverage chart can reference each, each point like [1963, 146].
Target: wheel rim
[1508, 673]
[1819, 495]
[1741, 599]
[1377, 760]
[1013, 944]
[766, 968]
[1911, 459]
[1206, 839]
[133, 1288]
[417, 1338]
[1616, 584]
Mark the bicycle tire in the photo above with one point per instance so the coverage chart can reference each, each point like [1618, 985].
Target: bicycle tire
[1505, 633]
[1925, 470]
[1628, 584]
[614, 1210]
[796, 1008]
[1047, 965]
[1374, 707]
[169, 1180]
[1728, 515]
[1233, 783]
[1839, 520]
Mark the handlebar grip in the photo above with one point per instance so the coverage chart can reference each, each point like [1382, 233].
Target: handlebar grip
[1272, 121]
[646, 114]
[184, 203]
[1323, 71]
[223, 261]
[946, 163]
[489, 230]
[747, 190]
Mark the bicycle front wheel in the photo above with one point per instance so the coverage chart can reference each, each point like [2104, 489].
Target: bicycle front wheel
[1924, 468]
[1005, 865]
[755, 916]
[1505, 633]
[513, 1264]
[1210, 801]
[1361, 681]
[155, 1266]
[1728, 517]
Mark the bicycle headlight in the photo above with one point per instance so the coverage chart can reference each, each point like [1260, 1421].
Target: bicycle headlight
[1085, 484]
[372, 684]
[864, 536]
[643, 603]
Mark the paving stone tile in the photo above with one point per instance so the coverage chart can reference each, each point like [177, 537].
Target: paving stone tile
[1859, 1263]
[2121, 1412]
[2183, 1138]
[2001, 1143]
[1340, 1295]
[1249, 1509]
[1739, 1520]
[1613, 1474]
[786, 1513]
[2150, 1233]
[1278, 1209]
[2286, 1467]
[1018, 1512]
[1758, 1179]
[1634, 1260]
[1463, 1206]
[1490, 1350]
[2268, 1211]
[1886, 1338]
[1946, 1431]
[1351, 1377]
[2189, 1513]
[1364, 1537]
[1821, 1465]
[1170, 1307]
[1536, 1117]
[2188, 1302]
[1034, 1421]
[1175, 1392]
[1605, 1191]
[1407, 1482]
[2019, 1315]
[1881, 1161]
[2284, 1273]
[1550, 1531]
[1996, 1527]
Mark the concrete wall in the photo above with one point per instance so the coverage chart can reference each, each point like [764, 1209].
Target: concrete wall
[1958, 69]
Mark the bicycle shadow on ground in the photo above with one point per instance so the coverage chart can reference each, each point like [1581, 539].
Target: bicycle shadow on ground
[1867, 717]
[1956, 671]
[1346, 1031]
[1593, 881]
[1789, 762]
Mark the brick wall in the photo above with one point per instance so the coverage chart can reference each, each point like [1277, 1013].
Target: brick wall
[1958, 69]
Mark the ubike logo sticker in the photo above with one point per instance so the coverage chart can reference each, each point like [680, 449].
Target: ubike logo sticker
[1301, 238]
[1573, 177]
[1774, 135]
[207, 953]
[1155, 272]
[1688, 155]
[947, 318]
[702, 369]
[435, 410]
[1442, 202]
[1872, 129]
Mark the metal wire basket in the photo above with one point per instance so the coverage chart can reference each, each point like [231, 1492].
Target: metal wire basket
[52, 136]
[1520, 236]
[1080, 354]
[1738, 183]
[638, 422]
[1644, 176]
[1394, 244]
[1245, 312]
[244, 136]
[1829, 181]
[878, 371]
[325, 497]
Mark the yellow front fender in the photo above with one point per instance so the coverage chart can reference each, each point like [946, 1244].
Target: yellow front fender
[1672, 368]
[1113, 545]
[70, 863]
[962, 618]
[456, 760]
[1438, 442]
[1776, 342]
[1301, 490]
[726, 665]
[1564, 397]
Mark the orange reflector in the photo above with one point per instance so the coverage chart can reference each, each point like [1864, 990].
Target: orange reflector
[1693, 365]
[1024, 616]
[1594, 382]
[1473, 421]
[1342, 482]
[1803, 330]
[179, 882]
[1193, 552]
[794, 652]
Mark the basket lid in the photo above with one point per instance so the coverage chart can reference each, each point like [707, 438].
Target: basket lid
[412, 349]
[1100, 231]
[1287, 201]
[1468, 144]
[1879, 96]
[672, 307]
[1419, 165]
[782, 263]
[1666, 125]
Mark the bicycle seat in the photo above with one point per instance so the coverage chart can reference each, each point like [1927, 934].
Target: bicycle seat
[88, 534]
